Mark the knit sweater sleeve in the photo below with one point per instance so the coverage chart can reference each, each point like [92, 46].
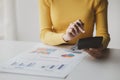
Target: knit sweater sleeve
[47, 35]
[100, 8]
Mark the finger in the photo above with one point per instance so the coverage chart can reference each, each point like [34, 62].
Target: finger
[93, 49]
[96, 49]
[80, 26]
[77, 31]
[70, 26]
[87, 50]
[80, 23]
[71, 32]
[81, 30]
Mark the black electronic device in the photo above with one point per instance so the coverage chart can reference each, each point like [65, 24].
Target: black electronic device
[89, 42]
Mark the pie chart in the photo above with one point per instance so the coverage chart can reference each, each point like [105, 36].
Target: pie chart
[68, 55]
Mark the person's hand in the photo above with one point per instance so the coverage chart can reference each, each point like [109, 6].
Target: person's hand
[73, 30]
[95, 52]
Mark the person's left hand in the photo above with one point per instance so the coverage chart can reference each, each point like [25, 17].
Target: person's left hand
[95, 52]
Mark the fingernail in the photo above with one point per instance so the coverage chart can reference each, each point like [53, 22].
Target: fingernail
[83, 31]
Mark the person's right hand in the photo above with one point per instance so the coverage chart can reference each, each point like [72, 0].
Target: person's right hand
[73, 30]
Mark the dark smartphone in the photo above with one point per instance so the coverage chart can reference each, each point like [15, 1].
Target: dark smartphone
[89, 42]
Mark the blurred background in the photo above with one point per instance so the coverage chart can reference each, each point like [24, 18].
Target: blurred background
[19, 20]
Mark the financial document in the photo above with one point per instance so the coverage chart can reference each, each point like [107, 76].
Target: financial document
[44, 61]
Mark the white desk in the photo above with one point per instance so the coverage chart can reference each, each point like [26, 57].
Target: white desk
[88, 69]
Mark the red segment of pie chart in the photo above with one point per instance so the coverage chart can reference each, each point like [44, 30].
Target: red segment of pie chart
[68, 55]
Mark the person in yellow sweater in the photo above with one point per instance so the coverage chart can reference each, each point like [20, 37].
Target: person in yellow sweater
[67, 21]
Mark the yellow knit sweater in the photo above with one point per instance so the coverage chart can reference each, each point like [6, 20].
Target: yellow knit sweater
[56, 15]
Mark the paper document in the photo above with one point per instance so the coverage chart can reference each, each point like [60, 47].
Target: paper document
[44, 61]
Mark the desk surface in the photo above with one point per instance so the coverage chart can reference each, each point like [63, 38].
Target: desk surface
[88, 69]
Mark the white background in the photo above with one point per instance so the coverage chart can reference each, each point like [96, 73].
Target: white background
[28, 21]
[1, 18]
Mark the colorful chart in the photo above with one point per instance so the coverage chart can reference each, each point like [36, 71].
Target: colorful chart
[43, 51]
[68, 55]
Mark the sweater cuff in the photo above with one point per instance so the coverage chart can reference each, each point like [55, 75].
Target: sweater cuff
[61, 38]
[105, 43]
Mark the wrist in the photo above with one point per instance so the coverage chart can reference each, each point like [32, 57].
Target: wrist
[64, 38]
